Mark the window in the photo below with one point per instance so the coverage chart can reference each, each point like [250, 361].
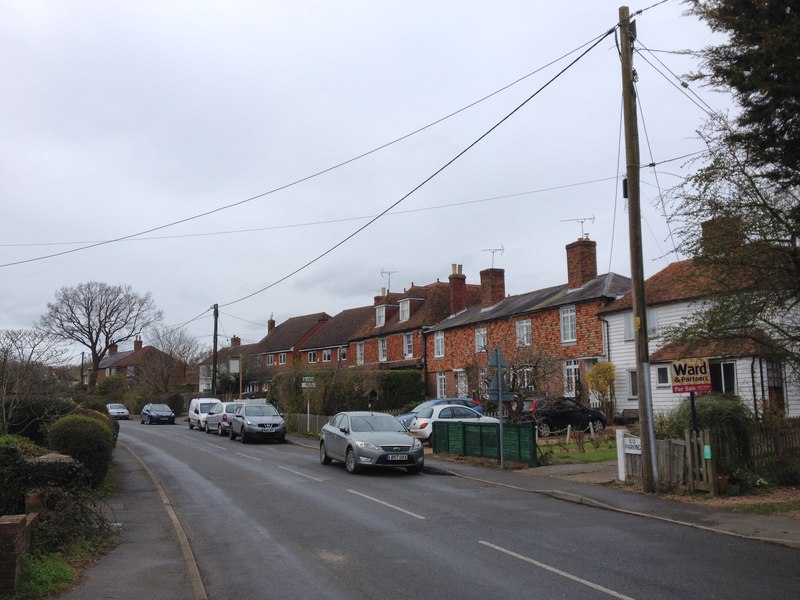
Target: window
[129, 371]
[380, 316]
[326, 356]
[652, 324]
[343, 354]
[572, 373]
[282, 358]
[382, 349]
[438, 344]
[483, 384]
[258, 360]
[481, 341]
[360, 353]
[408, 345]
[723, 377]
[569, 325]
[462, 384]
[633, 385]
[405, 310]
[523, 333]
[662, 376]
[312, 356]
[270, 360]
[441, 385]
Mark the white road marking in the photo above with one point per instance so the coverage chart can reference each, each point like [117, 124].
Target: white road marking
[402, 510]
[299, 473]
[594, 586]
[250, 457]
[215, 446]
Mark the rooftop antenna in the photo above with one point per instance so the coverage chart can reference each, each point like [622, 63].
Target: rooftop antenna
[389, 284]
[501, 249]
[581, 220]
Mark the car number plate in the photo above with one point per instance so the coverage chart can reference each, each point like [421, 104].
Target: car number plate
[397, 457]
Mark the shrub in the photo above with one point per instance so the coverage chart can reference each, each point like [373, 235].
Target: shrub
[113, 388]
[32, 417]
[713, 411]
[71, 515]
[87, 439]
[784, 472]
[176, 403]
[12, 492]
[55, 470]
[95, 403]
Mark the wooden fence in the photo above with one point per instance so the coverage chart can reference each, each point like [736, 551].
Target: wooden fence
[758, 445]
[671, 456]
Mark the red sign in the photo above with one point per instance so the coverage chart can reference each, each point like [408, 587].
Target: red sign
[690, 375]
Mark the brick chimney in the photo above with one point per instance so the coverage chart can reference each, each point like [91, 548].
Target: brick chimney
[493, 286]
[382, 298]
[137, 344]
[722, 234]
[112, 349]
[581, 262]
[270, 325]
[458, 290]
[236, 341]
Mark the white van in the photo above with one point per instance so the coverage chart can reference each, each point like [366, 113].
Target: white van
[198, 411]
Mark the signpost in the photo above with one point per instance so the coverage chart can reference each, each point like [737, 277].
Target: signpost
[307, 382]
[690, 375]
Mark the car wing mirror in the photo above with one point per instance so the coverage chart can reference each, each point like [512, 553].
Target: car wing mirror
[343, 429]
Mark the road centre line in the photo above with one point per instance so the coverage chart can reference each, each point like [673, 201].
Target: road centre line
[215, 446]
[402, 510]
[301, 474]
[250, 457]
[585, 582]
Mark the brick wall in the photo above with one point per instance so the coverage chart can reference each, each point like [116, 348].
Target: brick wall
[15, 541]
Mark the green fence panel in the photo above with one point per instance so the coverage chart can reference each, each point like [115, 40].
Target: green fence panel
[482, 440]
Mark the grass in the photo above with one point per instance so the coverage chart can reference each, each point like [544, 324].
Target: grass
[571, 456]
[44, 574]
[767, 508]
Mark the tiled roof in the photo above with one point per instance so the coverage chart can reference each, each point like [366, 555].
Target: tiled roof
[731, 347]
[339, 329]
[679, 281]
[606, 286]
[286, 335]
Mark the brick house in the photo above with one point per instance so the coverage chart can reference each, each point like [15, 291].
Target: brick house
[555, 328]
[142, 366]
[328, 347]
[394, 336]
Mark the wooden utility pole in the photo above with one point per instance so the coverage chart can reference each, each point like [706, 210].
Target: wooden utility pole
[214, 355]
[627, 34]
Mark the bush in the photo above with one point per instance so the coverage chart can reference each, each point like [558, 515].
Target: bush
[785, 472]
[71, 515]
[32, 417]
[713, 411]
[87, 439]
[55, 470]
[12, 492]
[94, 403]
[113, 388]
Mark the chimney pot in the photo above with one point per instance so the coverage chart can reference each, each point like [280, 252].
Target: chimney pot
[458, 291]
[493, 287]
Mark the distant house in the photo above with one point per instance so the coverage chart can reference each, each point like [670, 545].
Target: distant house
[143, 366]
[738, 366]
[556, 324]
[328, 347]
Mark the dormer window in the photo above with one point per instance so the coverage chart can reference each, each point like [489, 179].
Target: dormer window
[380, 316]
[405, 310]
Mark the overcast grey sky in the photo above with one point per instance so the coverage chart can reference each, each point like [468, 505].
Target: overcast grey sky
[121, 117]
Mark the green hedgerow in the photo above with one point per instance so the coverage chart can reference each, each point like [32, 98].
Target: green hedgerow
[87, 439]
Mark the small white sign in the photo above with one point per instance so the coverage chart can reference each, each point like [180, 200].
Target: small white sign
[632, 445]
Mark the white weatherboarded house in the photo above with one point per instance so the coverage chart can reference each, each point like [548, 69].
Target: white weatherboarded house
[737, 366]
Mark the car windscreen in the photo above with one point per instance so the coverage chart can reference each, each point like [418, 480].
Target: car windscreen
[117, 406]
[207, 406]
[260, 410]
[376, 423]
[160, 408]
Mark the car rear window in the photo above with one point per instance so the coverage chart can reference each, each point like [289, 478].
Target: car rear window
[425, 413]
[207, 406]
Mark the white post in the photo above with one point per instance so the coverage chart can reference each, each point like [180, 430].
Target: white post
[621, 454]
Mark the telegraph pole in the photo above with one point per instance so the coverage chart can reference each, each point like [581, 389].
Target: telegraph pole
[627, 34]
[214, 355]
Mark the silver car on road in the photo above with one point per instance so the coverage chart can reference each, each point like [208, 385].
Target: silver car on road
[368, 439]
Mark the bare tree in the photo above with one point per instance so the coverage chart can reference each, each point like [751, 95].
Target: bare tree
[97, 315]
[177, 351]
[26, 356]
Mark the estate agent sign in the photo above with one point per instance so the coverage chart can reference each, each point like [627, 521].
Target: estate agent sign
[690, 375]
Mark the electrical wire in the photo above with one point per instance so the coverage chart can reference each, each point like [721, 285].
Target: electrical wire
[429, 178]
[307, 177]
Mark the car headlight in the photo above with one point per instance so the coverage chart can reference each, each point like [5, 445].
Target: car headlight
[367, 445]
[248, 422]
[416, 444]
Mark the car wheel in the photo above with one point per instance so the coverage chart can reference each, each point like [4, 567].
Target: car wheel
[597, 425]
[350, 461]
[190, 424]
[243, 433]
[544, 429]
[416, 469]
[231, 435]
[323, 455]
[219, 429]
[141, 421]
[149, 420]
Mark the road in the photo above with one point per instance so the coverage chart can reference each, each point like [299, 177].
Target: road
[268, 520]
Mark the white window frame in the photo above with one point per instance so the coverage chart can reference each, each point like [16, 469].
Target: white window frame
[405, 310]
[282, 358]
[343, 354]
[572, 373]
[383, 349]
[652, 325]
[312, 356]
[720, 366]
[326, 355]
[568, 317]
[462, 383]
[441, 384]
[380, 316]
[523, 333]
[270, 360]
[438, 344]
[633, 384]
[360, 353]
[408, 345]
[662, 376]
[481, 339]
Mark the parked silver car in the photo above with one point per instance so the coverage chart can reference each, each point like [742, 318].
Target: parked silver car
[117, 411]
[218, 419]
[257, 421]
[369, 439]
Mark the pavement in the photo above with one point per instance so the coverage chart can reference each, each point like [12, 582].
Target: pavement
[152, 540]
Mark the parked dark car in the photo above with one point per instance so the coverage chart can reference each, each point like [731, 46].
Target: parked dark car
[407, 418]
[257, 421]
[157, 413]
[554, 414]
[362, 439]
